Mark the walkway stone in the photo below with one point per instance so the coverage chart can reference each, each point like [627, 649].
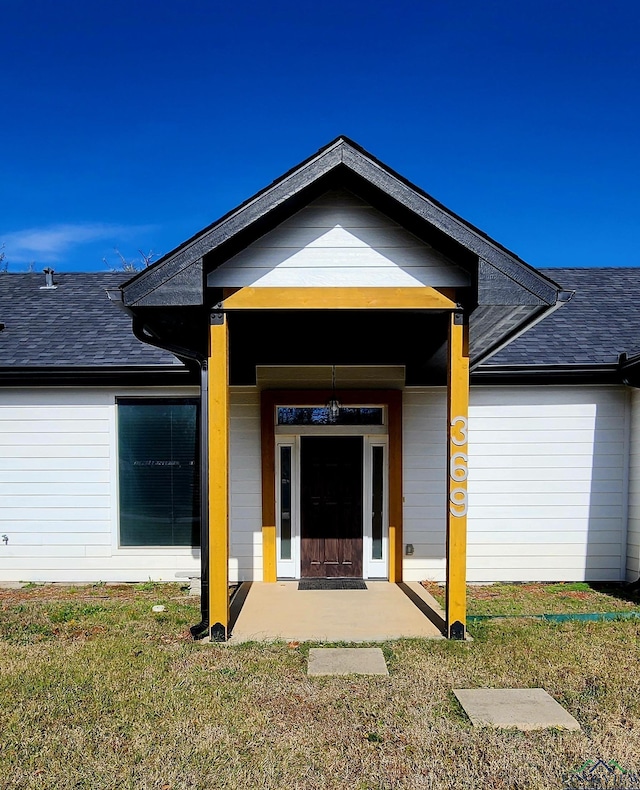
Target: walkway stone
[522, 709]
[346, 661]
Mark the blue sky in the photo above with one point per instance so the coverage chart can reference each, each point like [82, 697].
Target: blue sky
[132, 125]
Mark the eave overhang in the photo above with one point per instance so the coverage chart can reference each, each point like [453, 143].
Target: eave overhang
[547, 374]
[507, 294]
[624, 372]
[90, 376]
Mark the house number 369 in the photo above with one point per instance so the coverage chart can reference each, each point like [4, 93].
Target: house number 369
[458, 471]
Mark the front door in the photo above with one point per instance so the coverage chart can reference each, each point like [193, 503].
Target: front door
[331, 506]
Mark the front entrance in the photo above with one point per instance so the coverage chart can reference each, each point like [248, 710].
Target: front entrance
[331, 506]
[331, 485]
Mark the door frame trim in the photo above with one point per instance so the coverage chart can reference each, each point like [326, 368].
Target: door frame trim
[371, 568]
[269, 399]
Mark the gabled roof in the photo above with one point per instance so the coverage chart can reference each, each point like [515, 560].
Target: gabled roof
[347, 157]
[509, 294]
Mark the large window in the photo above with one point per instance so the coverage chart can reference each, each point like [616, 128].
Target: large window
[159, 472]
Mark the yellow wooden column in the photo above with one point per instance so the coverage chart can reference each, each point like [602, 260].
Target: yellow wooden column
[218, 478]
[267, 420]
[457, 459]
[394, 413]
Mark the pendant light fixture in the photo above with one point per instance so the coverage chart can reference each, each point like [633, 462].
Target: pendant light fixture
[333, 404]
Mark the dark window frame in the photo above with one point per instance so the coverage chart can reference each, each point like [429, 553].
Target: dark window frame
[194, 542]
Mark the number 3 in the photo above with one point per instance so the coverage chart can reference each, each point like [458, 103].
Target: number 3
[460, 424]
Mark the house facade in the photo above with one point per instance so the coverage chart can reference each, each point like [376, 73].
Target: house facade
[339, 378]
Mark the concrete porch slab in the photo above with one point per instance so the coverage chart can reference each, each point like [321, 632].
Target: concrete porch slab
[280, 611]
[523, 709]
[346, 661]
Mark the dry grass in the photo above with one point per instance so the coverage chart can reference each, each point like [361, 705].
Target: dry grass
[538, 598]
[98, 692]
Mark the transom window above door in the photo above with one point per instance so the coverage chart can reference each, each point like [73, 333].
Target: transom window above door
[324, 415]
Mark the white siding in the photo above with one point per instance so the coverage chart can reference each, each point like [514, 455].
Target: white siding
[59, 492]
[424, 466]
[245, 486]
[337, 240]
[547, 483]
[547, 486]
[633, 537]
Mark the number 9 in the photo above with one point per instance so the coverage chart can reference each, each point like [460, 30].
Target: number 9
[458, 499]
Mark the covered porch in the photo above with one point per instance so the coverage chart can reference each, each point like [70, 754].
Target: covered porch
[332, 489]
[340, 264]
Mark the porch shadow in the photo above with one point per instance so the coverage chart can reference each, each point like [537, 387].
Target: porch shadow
[431, 610]
[237, 602]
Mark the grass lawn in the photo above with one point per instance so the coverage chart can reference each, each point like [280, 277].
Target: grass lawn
[97, 691]
[531, 599]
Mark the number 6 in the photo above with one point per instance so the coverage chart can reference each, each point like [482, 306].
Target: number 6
[458, 467]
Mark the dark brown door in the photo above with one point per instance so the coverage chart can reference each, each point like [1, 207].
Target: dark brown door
[331, 506]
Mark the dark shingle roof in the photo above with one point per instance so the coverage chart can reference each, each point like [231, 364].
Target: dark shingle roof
[74, 325]
[594, 328]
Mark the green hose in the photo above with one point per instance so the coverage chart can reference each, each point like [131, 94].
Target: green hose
[594, 617]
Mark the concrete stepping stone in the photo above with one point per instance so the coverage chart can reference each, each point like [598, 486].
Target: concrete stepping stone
[523, 709]
[346, 661]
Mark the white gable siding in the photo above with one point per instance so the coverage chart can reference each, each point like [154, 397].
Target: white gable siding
[547, 483]
[633, 538]
[245, 486]
[59, 492]
[337, 240]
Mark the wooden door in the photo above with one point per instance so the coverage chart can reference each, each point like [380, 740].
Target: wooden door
[331, 506]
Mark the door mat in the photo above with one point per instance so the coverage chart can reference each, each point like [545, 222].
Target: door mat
[331, 584]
